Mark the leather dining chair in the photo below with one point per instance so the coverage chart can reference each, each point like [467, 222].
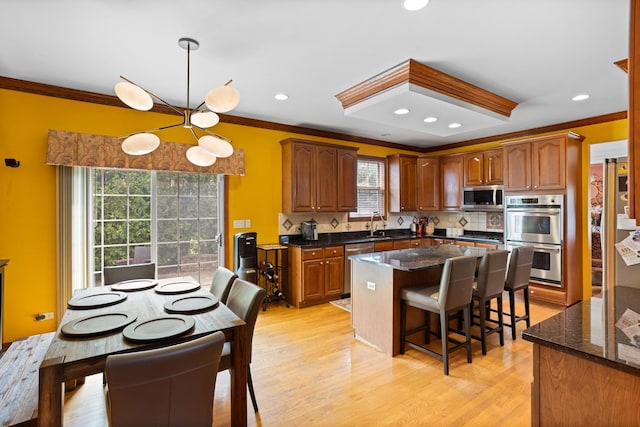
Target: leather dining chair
[168, 386]
[128, 272]
[518, 280]
[452, 295]
[489, 286]
[245, 300]
[221, 284]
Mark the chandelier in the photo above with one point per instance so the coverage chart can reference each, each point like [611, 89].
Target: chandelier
[218, 100]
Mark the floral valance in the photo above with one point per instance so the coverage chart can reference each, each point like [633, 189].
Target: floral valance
[83, 149]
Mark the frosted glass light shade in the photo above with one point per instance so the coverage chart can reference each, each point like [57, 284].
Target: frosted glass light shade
[204, 119]
[216, 146]
[134, 96]
[140, 143]
[222, 99]
[200, 157]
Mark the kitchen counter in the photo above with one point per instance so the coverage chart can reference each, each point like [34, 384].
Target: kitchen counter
[418, 258]
[586, 369]
[327, 239]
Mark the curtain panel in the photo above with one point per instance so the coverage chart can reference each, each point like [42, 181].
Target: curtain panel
[82, 149]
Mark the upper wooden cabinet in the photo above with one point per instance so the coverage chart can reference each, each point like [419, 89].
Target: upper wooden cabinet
[402, 182]
[536, 164]
[483, 168]
[318, 177]
[428, 183]
[452, 169]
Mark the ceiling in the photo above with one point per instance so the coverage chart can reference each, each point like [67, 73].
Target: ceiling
[538, 54]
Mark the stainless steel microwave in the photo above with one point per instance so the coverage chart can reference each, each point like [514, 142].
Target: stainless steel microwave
[487, 198]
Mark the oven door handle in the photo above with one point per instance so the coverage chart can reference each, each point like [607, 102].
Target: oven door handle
[537, 247]
[545, 211]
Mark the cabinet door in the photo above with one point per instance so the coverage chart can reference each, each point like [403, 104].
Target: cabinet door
[548, 163]
[347, 180]
[303, 183]
[464, 243]
[493, 167]
[334, 276]
[383, 246]
[452, 171]
[428, 183]
[402, 244]
[517, 168]
[326, 183]
[486, 245]
[473, 169]
[312, 279]
[402, 182]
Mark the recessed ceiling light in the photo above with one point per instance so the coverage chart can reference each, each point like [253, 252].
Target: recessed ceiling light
[281, 96]
[455, 125]
[580, 97]
[431, 119]
[401, 111]
[413, 5]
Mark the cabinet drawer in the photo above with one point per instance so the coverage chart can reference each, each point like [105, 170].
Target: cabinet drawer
[334, 251]
[316, 253]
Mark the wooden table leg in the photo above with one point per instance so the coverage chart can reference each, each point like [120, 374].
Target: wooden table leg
[50, 393]
[238, 371]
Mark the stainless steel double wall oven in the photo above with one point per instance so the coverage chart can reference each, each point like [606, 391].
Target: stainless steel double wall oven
[537, 221]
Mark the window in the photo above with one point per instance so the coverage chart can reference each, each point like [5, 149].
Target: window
[168, 218]
[371, 187]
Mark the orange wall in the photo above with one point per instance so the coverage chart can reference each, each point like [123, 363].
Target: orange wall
[28, 193]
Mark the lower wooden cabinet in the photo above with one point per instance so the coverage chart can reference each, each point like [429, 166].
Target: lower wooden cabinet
[316, 275]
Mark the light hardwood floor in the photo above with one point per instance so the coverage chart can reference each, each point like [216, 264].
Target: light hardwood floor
[308, 370]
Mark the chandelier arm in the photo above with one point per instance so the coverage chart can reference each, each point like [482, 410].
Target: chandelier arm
[215, 134]
[154, 129]
[196, 109]
[195, 135]
[153, 95]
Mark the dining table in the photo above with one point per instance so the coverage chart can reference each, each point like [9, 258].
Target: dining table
[377, 280]
[74, 355]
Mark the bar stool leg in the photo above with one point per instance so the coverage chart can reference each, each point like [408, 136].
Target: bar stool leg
[444, 332]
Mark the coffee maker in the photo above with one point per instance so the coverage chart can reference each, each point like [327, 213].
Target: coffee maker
[309, 230]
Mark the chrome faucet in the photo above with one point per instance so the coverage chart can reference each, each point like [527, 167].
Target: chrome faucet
[373, 215]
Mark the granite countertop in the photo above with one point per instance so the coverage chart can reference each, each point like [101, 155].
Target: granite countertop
[588, 330]
[418, 258]
[353, 237]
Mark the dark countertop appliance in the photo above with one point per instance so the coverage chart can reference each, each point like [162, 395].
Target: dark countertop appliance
[309, 230]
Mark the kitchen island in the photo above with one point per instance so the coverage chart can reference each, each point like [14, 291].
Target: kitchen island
[376, 281]
[586, 367]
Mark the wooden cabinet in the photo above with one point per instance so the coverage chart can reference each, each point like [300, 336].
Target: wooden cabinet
[317, 275]
[402, 182]
[312, 174]
[536, 164]
[428, 183]
[451, 174]
[483, 168]
[347, 180]
[386, 245]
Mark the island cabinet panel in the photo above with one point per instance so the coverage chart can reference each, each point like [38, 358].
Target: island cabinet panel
[402, 182]
[428, 183]
[483, 168]
[452, 178]
[316, 275]
[318, 177]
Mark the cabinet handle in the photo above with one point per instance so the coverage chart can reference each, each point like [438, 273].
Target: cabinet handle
[535, 186]
[528, 187]
[313, 254]
[321, 262]
[335, 251]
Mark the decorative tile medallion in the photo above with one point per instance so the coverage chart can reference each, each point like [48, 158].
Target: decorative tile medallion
[435, 220]
[287, 224]
[463, 221]
[400, 220]
[334, 223]
[495, 221]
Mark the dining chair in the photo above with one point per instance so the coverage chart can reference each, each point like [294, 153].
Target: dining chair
[244, 300]
[453, 294]
[489, 286]
[221, 284]
[121, 273]
[168, 386]
[518, 280]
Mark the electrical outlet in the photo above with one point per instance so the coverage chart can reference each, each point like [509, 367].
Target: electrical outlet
[247, 223]
[48, 316]
[371, 285]
[238, 223]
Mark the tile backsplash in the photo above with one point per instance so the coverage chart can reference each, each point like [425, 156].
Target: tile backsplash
[338, 222]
